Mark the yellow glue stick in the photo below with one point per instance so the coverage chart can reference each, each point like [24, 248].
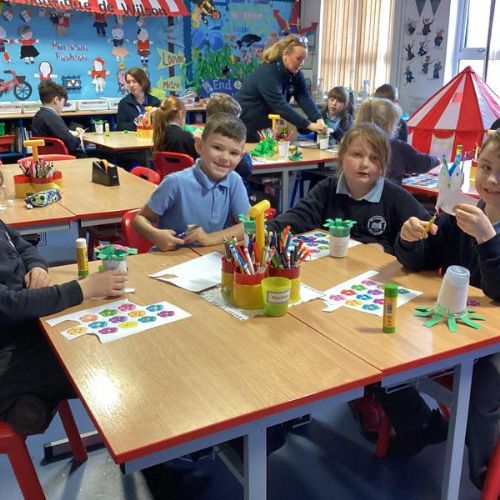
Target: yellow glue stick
[81, 257]
[390, 305]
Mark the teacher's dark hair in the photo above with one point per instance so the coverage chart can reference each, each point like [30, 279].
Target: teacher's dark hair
[284, 46]
[139, 75]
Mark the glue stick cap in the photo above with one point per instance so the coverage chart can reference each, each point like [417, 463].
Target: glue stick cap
[391, 290]
[457, 275]
[81, 243]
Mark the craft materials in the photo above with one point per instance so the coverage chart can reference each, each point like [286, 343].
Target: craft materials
[340, 232]
[115, 320]
[454, 289]
[81, 257]
[390, 305]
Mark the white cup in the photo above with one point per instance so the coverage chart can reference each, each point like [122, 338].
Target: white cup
[283, 148]
[454, 290]
[121, 265]
[339, 245]
[99, 128]
[323, 142]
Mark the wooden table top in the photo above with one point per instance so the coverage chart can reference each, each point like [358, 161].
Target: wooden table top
[361, 333]
[83, 198]
[188, 379]
[309, 156]
[119, 141]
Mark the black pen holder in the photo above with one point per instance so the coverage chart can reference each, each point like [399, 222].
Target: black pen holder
[103, 173]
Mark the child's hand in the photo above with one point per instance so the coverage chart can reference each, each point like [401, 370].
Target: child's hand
[199, 235]
[167, 240]
[79, 131]
[415, 229]
[474, 222]
[37, 278]
[108, 284]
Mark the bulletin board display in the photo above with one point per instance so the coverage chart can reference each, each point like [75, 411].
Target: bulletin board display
[212, 49]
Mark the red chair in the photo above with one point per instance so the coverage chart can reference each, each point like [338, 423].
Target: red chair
[52, 146]
[166, 162]
[14, 446]
[491, 487]
[132, 237]
[147, 173]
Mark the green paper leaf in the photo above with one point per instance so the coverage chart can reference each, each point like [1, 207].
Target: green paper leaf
[434, 320]
[452, 324]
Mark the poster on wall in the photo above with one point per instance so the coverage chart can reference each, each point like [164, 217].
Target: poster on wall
[212, 49]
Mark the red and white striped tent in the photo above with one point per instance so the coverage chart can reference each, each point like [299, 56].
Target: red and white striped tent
[459, 113]
[118, 7]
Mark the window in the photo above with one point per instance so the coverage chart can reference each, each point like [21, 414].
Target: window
[479, 47]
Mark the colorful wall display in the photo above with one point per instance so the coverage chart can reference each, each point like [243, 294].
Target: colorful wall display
[212, 49]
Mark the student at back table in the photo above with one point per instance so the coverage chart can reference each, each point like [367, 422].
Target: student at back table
[48, 122]
[209, 194]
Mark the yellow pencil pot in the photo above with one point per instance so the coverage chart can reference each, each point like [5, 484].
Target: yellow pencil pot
[247, 290]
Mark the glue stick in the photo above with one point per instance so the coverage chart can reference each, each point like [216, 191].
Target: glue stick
[106, 128]
[390, 305]
[81, 257]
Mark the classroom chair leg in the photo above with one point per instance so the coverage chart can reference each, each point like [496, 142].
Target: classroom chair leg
[491, 487]
[384, 437]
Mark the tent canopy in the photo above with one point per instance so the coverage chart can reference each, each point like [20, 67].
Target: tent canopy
[459, 113]
[115, 7]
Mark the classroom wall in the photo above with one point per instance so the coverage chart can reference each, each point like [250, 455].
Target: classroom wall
[89, 56]
[421, 42]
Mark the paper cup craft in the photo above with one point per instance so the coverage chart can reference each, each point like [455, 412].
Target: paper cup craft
[451, 304]
[340, 233]
[114, 256]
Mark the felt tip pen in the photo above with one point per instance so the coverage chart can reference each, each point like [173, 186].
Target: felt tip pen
[390, 306]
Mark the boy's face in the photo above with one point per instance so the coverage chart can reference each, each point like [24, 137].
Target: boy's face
[361, 166]
[59, 103]
[219, 155]
[488, 175]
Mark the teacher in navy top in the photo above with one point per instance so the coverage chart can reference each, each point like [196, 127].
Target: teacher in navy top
[135, 102]
[270, 87]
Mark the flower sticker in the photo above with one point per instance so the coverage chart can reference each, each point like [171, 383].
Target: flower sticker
[348, 292]
[363, 296]
[370, 307]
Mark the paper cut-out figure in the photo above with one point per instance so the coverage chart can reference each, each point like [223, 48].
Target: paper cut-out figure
[450, 188]
[60, 20]
[293, 25]
[120, 77]
[143, 46]
[438, 39]
[422, 50]
[27, 42]
[8, 14]
[425, 64]
[45, 72]
[25, 15]
[3, 42]
[98, 74]
[408, 75]
[436, 69]
[426, 29]
[204, 10]
[100, 23]
[411, 26]
[409, 51]
[119, 50]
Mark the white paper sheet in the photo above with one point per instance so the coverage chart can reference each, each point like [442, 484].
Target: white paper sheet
[194, 275]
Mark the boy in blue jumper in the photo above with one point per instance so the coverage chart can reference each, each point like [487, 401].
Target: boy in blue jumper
[470, 239]
[200, 202]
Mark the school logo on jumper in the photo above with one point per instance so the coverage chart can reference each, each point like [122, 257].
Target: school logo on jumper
[376, 225]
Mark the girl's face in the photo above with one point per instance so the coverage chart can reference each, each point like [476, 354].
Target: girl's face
[335, 106]
[294, 60]
[488, 175]
[361, 166]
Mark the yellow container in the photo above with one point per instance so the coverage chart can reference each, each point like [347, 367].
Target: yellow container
[145, 133]
[247, 291]
[293, 275]
[473, 169]
[23, 184]
[227, 272]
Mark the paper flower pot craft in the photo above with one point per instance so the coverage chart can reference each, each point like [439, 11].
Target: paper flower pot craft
[114, 256]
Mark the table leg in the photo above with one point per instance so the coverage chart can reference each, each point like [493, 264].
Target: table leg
[255, 464]
[456, 433]
[284, 202]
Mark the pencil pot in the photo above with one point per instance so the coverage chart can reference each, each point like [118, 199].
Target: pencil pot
[24, 185]
[227, 278]
[293, 275]
[145, 132]
[247, 290]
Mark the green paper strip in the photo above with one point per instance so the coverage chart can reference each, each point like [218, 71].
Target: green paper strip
[452, 324]
[434, 320]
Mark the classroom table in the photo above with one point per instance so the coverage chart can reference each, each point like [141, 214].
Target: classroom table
[414, 350]
[84, 201]
[201, 381]
[119, 141]
[426, 184]
[312, 158]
